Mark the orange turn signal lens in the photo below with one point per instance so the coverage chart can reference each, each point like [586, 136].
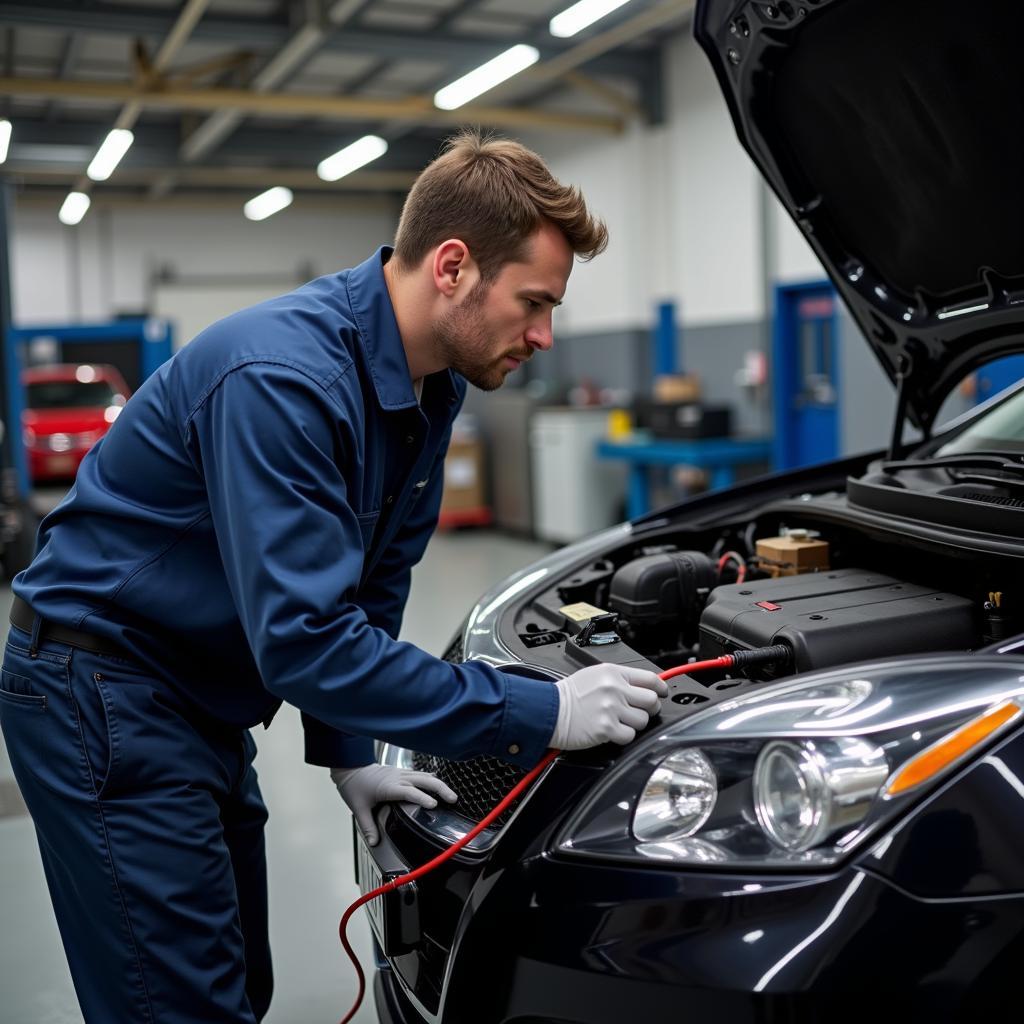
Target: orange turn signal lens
[938, 756]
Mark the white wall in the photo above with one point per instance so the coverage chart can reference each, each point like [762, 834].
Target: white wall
[715, 216]
[622, 179]
[792, 259]
[106, 265]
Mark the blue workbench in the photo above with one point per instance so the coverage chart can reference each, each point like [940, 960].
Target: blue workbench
[719, 455]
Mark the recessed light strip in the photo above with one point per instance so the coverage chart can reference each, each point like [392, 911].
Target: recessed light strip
[486, 77]
[108, 156]
[266, 204]
[578, 17]
[352, 157]
[73, 208]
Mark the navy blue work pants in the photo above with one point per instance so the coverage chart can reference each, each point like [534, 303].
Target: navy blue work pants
[150, 824]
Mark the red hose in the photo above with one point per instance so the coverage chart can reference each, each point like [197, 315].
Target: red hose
[513, 794]
[506, 801]
[741, 564]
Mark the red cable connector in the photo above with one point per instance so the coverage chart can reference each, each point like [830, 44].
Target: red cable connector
[741, 564]
[762, 655]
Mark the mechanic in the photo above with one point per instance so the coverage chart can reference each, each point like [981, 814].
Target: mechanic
[244, 535]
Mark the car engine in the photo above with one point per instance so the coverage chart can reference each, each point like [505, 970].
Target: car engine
[832, 594]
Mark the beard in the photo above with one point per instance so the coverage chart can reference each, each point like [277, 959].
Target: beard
[465, 344]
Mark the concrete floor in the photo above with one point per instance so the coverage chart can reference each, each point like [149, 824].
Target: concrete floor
[309, 844]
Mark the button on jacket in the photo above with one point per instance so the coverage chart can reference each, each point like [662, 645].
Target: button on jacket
[247, 527]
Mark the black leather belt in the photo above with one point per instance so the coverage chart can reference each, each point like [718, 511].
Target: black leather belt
[24, 618]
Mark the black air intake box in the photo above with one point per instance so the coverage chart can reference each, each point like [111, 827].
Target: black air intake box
[670, 587]
[831, 618]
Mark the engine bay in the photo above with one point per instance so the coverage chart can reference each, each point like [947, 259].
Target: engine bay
[806, 575]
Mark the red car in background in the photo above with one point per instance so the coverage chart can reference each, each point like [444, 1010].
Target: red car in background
[68, 408]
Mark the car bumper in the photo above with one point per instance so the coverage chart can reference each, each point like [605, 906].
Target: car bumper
[45, 465]
[548, 939]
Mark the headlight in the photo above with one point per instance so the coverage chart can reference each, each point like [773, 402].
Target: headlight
[798, 773]
[678, 798]
[805, 792]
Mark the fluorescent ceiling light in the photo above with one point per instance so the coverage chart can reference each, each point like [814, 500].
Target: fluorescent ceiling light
[5, 139]
[582, 14]
[487, 76]
[352, 157]
[576, 18]
[74, 207]
[108, 156]
[266, 204]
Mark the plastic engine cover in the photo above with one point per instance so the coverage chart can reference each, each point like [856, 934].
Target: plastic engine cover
[831, 618]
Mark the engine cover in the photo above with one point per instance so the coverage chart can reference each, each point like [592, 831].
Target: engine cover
[835, 617]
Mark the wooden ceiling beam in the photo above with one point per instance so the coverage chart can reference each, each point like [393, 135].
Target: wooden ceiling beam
[419, 110]
[227, 177]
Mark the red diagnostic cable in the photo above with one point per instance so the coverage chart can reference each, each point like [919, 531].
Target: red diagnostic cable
[741, 565]
[726, 661]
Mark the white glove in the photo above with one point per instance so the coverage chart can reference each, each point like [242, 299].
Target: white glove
[605, 703]
[363, 788]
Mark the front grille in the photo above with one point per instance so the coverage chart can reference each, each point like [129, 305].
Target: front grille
[480, 783]
[454, 652]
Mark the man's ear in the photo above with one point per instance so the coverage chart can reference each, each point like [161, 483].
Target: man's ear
[452, 267]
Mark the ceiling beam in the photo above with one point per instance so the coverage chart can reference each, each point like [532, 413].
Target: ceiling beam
[150, 73]
[183, 27]
[306, 40]
[584, 53]
[345, 108]
[246, 178]
[625, 32]
[270, 35]
[156, 145]
[617, 100]
[187, 76]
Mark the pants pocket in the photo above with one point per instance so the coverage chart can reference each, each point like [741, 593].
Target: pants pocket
[39, 724]
[98, 724]
[19, 692]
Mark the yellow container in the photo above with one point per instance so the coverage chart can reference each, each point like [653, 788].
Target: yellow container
[620, 424]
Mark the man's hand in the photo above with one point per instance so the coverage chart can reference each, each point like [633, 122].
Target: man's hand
[605, 703]
[363, 788]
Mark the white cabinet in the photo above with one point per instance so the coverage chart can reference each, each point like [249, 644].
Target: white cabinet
[574, 494]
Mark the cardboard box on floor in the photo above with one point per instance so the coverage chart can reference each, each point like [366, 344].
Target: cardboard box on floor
[463, 476]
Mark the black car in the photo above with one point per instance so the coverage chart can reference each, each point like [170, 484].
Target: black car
[839, 833]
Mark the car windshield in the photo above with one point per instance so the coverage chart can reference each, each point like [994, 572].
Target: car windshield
[999, 430]
[69, 394]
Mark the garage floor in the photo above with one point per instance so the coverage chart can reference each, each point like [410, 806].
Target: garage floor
[309, 833]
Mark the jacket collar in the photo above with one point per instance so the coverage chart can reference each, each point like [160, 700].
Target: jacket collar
[378, 331]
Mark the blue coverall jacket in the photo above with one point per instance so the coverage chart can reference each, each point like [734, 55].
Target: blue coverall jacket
[247, 528]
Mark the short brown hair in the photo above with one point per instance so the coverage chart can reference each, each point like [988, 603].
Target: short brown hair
[493, 194]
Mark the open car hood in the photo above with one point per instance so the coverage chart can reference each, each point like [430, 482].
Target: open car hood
[893, 133]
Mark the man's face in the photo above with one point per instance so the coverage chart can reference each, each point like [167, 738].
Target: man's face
[500, 324]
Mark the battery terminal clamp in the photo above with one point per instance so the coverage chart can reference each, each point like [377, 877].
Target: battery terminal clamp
[599, 631]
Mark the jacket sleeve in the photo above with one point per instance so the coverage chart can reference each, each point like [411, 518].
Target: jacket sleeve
[274, 447]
